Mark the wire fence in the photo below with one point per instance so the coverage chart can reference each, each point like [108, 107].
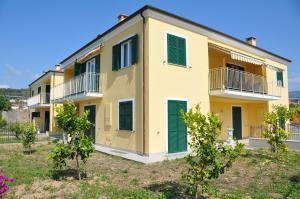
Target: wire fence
[258, 131]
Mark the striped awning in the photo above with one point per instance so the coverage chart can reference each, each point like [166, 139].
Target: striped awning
[245, 58]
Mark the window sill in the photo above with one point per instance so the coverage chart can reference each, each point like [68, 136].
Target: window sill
[125, 131]
[178, 65]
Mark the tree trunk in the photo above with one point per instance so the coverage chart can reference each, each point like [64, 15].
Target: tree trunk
[196, 192]
[78, 167]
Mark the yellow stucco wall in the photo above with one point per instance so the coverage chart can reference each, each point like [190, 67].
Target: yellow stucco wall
[171, 81]
[252, 113]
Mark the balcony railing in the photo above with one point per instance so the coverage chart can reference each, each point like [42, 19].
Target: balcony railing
[237, 80]
[40, 99]
[79, 85]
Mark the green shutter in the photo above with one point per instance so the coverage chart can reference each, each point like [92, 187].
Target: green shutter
[116, 57]
[77, 69]
[82, 68]
[97, 63]
[176, 50]
[134, 49]
[125, 116]
[279, 78]
[177, 130]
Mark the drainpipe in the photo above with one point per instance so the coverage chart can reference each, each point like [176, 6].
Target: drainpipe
[143, 80]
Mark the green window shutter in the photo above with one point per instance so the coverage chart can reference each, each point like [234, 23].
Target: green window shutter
[279, 75]
[116, 57]
[176, 50]
[134, 49]
[77, 69]
[125, 116]
[82, 68]
[97, 63]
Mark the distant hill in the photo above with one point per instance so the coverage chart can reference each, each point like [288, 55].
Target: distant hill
[13, 93]
[294, 94]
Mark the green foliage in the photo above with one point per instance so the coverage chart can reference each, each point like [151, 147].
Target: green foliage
[79, 144]
[3, 122]
[5, 104]
[16, 128]
[275, 131]
[28, 135]
[210, 156]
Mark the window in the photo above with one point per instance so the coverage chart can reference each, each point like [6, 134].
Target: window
[91, 66]
[125, 53]
[126, 58]
[126, 119]
[176, 50]
[279, 75]
[39, 90]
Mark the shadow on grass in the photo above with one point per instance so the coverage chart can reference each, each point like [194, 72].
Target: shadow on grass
[294, 181]
[172, 190]
[29, 152]
[66, 173]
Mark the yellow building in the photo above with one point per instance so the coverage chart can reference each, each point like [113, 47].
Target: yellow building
[136, 76]
[42, 111]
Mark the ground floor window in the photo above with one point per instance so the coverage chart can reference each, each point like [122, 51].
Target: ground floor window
[126, 116]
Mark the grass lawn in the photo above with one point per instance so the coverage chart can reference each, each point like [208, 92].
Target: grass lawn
[254, 175]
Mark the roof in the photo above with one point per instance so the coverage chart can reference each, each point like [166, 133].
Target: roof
[43, 75]
[177, 17]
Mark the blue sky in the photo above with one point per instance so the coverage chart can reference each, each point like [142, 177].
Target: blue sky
[37, 34]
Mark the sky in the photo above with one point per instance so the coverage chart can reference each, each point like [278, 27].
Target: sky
[37, 34]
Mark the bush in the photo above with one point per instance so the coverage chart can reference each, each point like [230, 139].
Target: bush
[80, 145]
[28, 135]
[210, 156]
[16, 128]
[275, 131]
[3, 122]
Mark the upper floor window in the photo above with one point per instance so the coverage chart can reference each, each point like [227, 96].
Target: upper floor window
[279, 76]
[32, 93]
[125, 53]
[176, 50]
[90, 66]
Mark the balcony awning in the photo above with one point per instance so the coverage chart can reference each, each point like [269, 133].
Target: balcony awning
[89, 53]
[245, 58]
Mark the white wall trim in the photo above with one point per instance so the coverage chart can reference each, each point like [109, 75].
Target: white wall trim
[166, 120]
[133, 113]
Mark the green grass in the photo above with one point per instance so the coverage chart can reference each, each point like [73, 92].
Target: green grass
[256, 174]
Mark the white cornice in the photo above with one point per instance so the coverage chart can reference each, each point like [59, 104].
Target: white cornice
[211, 35]
[101, 41]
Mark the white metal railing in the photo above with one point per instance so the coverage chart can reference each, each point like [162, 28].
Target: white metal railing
[42, 98]
[231, 79]
[83, 83]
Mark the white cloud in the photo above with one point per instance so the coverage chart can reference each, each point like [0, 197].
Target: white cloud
[12, 70]
[4, 86]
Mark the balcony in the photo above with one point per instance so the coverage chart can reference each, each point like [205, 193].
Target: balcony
[227, 82]
[41, 100]
[81, 87]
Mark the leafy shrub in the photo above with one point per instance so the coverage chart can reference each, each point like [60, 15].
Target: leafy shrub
[210, 156]
[80, 145]
[275, 131]
[16, 128]
[3, 122]
[28, 135]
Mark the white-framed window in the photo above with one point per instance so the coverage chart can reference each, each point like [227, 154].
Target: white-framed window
[91, 66]
[126, 58]
[126, 114]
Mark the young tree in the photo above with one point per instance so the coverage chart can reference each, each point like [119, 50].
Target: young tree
[28, 135]
[5, 105]
[209, 157]
[275, 131]
[79, 146]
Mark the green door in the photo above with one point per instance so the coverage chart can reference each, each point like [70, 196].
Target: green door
[177, 131]
[237, 122]
[92, 119]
